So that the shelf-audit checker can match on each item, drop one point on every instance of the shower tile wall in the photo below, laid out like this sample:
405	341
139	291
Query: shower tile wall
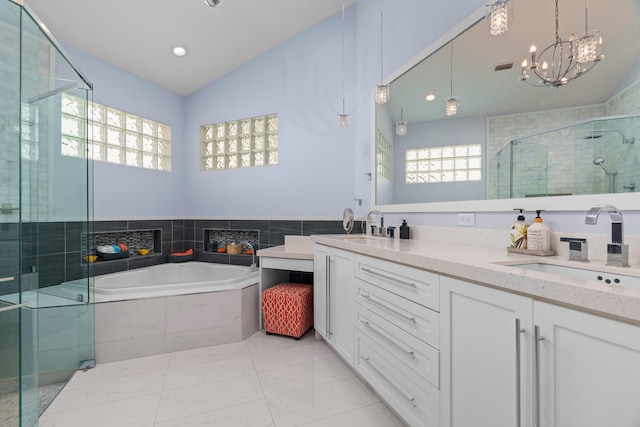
562	156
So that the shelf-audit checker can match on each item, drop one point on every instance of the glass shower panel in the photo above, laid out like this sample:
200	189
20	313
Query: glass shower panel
523	170
46	319
56	208
606	155
529	168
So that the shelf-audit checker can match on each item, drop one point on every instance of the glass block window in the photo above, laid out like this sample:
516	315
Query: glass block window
383	155
242	143
454	163
114	136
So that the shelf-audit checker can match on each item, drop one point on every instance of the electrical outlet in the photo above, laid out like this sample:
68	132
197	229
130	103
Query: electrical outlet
467	219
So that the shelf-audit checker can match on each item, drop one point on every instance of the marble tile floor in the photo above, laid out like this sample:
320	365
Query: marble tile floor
10	400
266	380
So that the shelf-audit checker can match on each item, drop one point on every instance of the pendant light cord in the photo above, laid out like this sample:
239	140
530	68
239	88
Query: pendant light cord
343	59
381	51
451	69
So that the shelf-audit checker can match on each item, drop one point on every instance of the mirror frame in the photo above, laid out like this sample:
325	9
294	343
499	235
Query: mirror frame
623	201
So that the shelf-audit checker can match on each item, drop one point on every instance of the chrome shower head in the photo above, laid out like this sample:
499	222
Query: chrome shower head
595	134
599	161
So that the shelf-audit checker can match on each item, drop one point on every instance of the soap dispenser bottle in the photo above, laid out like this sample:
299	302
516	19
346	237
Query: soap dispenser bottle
538	235
518	232
404	230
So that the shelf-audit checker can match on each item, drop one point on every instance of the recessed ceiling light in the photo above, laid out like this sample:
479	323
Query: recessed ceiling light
179	50
430	97
212	3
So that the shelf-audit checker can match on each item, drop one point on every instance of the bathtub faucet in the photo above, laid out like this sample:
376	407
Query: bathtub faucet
253	256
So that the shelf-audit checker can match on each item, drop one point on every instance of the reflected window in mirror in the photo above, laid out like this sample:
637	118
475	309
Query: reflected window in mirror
455	163
383	155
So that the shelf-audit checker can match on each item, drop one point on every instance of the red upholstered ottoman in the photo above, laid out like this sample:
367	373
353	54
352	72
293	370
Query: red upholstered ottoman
288	309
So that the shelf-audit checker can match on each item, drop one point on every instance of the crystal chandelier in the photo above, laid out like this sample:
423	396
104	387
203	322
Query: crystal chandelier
451	103
497	17
563	61
382	90
401	126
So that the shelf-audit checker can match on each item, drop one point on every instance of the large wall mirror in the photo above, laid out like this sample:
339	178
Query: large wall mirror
512	144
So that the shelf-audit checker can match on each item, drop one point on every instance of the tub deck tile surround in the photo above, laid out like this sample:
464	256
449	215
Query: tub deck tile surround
143	327
249	383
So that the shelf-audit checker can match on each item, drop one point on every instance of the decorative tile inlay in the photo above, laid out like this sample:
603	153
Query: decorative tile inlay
225	237
134	240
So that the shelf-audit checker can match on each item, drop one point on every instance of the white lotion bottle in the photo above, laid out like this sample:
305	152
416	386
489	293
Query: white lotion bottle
538	235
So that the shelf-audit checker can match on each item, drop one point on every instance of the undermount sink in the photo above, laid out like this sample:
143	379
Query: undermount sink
581	273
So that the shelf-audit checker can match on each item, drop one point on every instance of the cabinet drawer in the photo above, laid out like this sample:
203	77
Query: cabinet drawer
413	318
411	283
423	359
412	397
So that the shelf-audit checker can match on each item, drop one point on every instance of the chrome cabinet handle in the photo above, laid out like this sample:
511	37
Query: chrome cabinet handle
519	331
13	307
411	400
392	279
536	379
410	352
5	279
328	294
389	309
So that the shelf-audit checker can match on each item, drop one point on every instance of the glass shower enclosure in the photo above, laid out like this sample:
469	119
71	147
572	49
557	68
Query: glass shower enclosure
46	315
594	156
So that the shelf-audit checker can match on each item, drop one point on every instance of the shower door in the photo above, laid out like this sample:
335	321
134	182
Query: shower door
46	319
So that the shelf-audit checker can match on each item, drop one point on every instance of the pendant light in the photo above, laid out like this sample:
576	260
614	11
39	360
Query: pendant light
451	104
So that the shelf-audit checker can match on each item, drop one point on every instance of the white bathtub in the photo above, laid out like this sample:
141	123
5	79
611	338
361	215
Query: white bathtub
173	307
172	279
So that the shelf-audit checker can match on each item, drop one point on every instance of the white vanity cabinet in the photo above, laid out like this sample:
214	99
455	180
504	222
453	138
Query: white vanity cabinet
485	359
584	370
333	298
397	336
589	369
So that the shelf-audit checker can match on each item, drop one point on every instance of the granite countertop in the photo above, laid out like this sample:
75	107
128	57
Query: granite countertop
488	266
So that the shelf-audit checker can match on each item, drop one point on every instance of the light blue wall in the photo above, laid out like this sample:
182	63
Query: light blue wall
301	81
128	192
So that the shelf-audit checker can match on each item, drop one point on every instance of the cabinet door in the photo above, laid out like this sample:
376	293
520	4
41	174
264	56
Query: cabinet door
485	356
342	306
589	369
321	276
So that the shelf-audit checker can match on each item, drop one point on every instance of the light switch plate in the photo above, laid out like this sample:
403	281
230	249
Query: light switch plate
467	219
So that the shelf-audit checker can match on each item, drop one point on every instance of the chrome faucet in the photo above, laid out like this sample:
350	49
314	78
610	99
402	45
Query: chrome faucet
375	230
617	251
253	256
